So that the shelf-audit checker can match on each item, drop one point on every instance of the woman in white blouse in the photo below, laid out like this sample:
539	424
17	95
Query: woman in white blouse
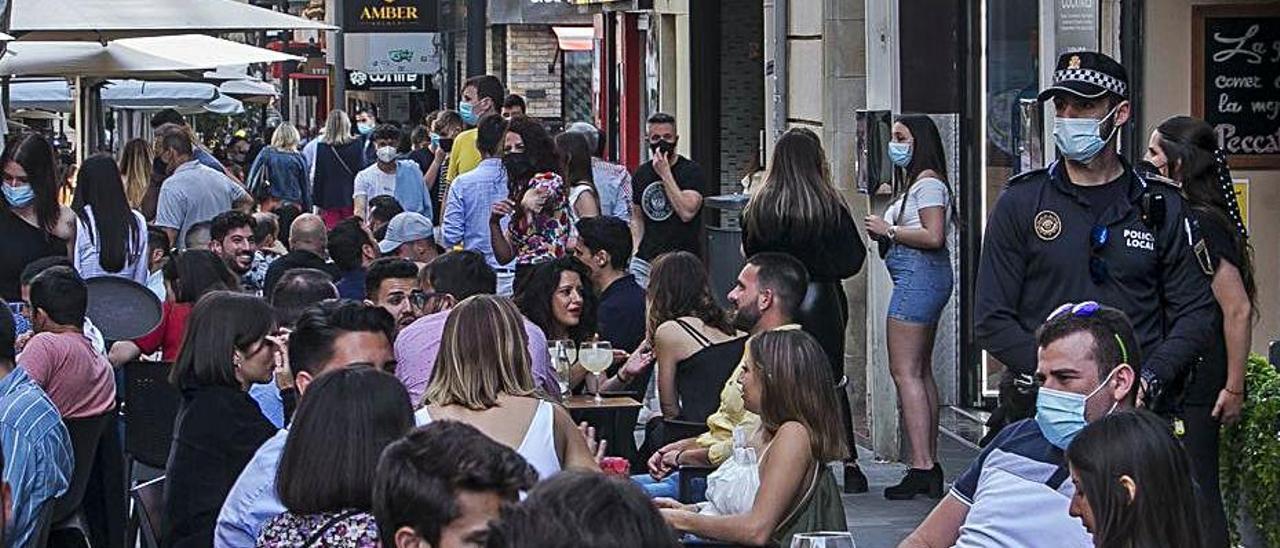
111	238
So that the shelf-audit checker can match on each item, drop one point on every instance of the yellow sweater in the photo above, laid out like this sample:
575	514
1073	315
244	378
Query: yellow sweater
719	437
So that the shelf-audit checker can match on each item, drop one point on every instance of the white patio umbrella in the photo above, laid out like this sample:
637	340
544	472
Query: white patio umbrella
132	56
55	95
105	20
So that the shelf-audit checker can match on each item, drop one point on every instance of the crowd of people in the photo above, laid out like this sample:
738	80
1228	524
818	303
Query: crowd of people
370	343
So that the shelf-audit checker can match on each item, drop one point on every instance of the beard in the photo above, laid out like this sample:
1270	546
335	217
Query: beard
745	318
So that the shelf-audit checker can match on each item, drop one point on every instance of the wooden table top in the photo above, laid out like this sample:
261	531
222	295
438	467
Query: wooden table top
587	401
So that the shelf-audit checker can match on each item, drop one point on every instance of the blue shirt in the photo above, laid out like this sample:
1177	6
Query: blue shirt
267	395
466	212
38	460
351	284
1018	492
253	499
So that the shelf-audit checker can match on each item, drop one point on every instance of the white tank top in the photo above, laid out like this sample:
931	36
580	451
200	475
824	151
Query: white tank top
539	444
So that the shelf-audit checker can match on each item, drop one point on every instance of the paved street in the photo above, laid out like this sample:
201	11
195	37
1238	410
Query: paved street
879	523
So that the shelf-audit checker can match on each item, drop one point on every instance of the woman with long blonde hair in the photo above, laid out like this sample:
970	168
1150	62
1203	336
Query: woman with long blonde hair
798	211
135	170
338	159
483	377
285	177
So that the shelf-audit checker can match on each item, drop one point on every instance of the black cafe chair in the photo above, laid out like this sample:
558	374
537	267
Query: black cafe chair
86	434
150	407
145	519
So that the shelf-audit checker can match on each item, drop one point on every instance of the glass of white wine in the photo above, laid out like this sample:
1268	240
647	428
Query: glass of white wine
828	539
595	357
564	353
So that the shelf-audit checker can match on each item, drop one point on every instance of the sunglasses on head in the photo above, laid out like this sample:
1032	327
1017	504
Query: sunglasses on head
1086	309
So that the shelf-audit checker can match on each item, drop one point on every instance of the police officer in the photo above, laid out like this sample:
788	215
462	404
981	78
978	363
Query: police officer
1089	227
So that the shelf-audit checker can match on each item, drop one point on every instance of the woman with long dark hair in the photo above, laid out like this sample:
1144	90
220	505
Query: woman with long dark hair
693	339
1186	149
559	299
111	238
575	156
325	478
537	202
32	222
915	227
1133	486
799	212
229	347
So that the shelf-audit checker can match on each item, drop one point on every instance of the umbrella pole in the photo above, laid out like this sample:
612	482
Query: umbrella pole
82	132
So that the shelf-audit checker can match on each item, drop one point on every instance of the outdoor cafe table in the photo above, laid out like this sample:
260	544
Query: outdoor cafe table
614	420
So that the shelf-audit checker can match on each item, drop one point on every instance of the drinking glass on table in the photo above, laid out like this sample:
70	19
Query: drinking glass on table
564	353
827	539
596	356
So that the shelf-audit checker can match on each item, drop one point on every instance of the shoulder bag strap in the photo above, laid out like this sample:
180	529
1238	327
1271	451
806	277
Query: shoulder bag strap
315	537
340	160
808	494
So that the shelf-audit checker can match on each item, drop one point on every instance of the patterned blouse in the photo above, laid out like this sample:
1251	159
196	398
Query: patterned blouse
544	235
350	529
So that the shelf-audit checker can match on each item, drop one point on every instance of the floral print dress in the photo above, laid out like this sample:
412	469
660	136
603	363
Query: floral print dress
350	529
544	235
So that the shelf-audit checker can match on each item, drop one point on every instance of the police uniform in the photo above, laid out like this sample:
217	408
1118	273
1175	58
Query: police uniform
1046	244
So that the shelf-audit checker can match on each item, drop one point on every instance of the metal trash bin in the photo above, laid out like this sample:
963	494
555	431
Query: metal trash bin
724	244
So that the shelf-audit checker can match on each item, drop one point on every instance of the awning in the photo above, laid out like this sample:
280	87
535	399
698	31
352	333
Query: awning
55	95
575	38
248	88
132	56
103	20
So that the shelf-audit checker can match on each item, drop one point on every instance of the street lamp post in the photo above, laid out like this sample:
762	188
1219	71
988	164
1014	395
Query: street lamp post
339	57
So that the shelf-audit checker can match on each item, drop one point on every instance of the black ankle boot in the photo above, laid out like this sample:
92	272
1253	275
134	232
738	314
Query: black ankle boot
854	480
917	482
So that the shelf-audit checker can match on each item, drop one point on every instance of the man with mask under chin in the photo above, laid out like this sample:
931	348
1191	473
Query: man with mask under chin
391	175
1089	226
1018	490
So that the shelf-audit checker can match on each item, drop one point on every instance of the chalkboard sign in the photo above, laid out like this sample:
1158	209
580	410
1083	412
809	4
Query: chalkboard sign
1236	79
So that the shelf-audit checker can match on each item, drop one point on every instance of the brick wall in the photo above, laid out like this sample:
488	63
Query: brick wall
741	91
530	50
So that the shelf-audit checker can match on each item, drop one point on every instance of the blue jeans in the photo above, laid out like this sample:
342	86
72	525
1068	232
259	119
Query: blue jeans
669	487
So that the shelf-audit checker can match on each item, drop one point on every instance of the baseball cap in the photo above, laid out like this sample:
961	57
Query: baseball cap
1087	74
406	227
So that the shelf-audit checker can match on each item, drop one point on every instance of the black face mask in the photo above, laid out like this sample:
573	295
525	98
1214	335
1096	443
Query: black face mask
446	145
518	165
665	147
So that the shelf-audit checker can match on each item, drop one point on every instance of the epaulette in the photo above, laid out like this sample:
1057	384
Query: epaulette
1027	176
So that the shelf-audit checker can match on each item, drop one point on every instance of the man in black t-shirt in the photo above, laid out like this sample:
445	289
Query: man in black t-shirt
667	191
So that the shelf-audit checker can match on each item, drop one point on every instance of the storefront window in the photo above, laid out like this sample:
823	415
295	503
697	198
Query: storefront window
1011	40
576	105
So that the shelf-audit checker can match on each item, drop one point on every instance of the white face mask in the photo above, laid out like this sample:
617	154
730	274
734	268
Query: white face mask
387	154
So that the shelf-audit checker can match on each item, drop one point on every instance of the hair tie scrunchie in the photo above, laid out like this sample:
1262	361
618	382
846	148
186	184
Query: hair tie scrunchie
1229	192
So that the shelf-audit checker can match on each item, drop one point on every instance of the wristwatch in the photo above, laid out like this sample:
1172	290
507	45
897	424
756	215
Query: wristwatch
893	233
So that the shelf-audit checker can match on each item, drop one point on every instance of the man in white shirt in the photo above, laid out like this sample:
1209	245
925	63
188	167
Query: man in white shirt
380	178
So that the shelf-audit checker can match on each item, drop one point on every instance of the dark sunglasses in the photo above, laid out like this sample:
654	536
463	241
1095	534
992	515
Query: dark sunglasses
1098	238
1086	309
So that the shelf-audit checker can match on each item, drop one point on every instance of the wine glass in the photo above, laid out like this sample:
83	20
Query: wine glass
823	539
595	357
564	353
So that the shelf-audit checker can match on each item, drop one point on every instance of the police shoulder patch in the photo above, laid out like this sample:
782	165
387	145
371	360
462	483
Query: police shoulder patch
1204	257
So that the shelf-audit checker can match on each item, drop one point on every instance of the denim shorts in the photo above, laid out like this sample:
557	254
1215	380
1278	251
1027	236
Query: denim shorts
922	281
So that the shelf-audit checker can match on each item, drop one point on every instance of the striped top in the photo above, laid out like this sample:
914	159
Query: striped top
38	461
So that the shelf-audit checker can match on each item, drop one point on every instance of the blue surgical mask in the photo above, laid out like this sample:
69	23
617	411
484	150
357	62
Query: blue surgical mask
900	154
364	129
1061	414
468	113
18	196
1079	139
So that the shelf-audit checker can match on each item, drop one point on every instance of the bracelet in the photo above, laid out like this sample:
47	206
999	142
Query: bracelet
678	455
1233	392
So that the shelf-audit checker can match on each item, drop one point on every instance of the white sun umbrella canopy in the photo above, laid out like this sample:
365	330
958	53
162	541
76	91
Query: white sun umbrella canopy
132	56
104	20
55	95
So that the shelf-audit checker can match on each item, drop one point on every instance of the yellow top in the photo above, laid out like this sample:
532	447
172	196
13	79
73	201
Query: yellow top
464	156
732	413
